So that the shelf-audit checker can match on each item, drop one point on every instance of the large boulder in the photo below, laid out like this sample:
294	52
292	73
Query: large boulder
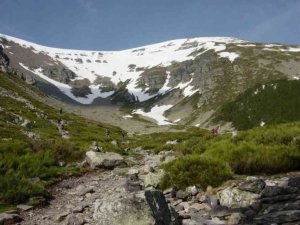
160	209
106	160
129	209
233	197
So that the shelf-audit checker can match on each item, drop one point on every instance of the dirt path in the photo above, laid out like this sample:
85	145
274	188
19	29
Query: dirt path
74	198
75	195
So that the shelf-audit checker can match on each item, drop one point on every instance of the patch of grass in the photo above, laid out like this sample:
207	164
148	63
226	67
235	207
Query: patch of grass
27	165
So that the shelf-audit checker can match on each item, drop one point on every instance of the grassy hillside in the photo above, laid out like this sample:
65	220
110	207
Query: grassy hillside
274	102
206	159
31	148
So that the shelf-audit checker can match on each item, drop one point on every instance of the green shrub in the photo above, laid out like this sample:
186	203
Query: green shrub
248	157
195	170
275	102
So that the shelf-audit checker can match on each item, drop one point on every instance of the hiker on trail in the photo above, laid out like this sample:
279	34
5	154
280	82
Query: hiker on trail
123	134
60	111
107	132
215	131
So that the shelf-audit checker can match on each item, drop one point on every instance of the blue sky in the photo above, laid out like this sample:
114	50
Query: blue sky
121	24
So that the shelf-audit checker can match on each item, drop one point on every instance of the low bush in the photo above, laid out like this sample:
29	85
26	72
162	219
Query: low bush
195	170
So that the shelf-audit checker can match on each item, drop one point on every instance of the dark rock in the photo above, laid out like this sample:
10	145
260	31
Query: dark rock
294	182
255	186
159	208
132	186
293	205
279	217
273	191
279	198
6	218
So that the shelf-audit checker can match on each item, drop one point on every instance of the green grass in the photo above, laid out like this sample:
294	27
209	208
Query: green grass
265	150
23	158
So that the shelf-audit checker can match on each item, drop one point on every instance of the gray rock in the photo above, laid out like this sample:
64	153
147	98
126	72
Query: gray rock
235	198
132	171
212	201
29	80
73	219
126	210
86	190
255	186
24	207
28	124
153	179
61	216
160	209
235	218
182	195
107	160
193	190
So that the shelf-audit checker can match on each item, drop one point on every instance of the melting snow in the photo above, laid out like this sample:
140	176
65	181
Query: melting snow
176	121
66	89
114	64
230	55
127	116
156	113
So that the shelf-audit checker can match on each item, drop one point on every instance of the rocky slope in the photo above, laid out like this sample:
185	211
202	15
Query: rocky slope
127	196
176	82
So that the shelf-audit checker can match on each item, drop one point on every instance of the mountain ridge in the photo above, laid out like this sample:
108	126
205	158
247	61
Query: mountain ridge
151	77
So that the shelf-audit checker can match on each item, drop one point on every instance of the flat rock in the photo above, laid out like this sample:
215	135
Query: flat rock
22	207
107	160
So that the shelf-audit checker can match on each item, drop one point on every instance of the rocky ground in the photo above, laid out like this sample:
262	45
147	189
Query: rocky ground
124	194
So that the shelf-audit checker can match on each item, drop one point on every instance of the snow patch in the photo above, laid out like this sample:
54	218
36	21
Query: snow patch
127	116
176	121
156	113
188	91
230	55
262	123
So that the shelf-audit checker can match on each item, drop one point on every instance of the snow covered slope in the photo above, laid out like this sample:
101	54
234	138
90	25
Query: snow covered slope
189	67
116	64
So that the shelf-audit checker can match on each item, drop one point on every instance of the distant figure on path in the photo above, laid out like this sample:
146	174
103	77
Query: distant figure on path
123	134
60	111
107	132
215	131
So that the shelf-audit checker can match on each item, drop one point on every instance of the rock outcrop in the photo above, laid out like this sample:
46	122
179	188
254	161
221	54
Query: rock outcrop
107	160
